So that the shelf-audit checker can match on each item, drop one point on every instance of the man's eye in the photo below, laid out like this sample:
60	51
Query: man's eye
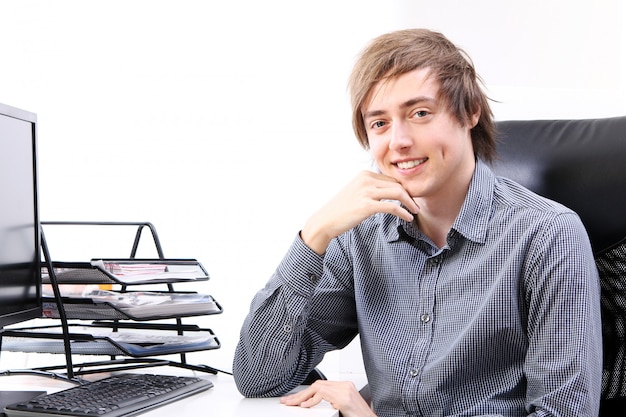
378	124
421	113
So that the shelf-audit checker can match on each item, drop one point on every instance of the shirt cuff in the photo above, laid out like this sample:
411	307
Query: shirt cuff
301	268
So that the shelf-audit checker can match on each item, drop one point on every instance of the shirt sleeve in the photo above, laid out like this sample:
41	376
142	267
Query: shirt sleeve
564	361
290	326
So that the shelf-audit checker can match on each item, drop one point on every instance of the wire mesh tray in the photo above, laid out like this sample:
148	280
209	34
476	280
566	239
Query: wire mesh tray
126	271
111	340
132	305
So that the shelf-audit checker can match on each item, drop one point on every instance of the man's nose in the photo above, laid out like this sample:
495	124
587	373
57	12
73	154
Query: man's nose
400	136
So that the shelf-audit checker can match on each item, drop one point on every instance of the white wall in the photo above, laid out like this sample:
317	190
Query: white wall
226	123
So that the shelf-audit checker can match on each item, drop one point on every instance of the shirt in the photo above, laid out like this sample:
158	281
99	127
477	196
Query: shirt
504	320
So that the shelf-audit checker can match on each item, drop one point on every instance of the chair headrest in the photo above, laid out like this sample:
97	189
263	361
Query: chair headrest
579	163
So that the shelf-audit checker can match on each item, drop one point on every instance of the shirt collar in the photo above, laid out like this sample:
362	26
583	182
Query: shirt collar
473	218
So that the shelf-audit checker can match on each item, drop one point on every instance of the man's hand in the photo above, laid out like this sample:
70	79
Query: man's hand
342	396
364	196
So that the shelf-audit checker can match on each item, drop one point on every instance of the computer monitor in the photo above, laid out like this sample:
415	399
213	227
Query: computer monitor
20	251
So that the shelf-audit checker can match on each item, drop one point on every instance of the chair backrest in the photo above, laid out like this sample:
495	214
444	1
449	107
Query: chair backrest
582	164
579	163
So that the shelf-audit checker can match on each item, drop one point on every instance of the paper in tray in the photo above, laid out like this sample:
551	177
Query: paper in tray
104	341
133	305
150	271
127	271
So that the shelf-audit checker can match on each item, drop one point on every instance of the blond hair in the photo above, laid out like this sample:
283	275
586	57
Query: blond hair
399	52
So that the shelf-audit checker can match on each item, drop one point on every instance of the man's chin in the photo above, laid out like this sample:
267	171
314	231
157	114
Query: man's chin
414	192
413	189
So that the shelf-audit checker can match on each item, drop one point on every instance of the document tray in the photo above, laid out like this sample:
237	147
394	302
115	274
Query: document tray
127	271
136	342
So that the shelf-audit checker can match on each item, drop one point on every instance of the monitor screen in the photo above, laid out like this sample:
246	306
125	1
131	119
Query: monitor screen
20	271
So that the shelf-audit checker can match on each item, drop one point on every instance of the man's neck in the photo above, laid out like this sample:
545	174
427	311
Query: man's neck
438	213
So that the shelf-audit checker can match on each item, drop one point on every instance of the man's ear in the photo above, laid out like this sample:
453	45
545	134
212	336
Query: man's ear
474	118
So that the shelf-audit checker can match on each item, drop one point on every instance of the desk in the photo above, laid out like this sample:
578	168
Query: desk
223	400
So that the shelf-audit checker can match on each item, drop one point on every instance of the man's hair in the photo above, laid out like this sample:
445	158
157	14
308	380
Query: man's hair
399	52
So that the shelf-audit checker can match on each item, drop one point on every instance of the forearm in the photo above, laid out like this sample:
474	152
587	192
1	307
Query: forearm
270	352
273	355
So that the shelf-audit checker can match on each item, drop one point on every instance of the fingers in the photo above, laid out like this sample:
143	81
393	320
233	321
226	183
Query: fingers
342	395
396	210
368	193
384	187
314	400
384	196
307	395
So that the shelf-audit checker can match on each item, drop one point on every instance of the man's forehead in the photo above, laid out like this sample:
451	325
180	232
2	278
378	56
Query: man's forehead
417	85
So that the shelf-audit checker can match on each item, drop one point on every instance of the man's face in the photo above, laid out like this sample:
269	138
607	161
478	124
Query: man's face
414	138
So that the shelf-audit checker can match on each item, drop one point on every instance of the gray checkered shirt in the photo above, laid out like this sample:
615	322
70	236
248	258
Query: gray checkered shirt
502	321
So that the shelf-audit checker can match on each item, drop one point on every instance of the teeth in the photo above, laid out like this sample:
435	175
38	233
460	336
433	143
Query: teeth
410	164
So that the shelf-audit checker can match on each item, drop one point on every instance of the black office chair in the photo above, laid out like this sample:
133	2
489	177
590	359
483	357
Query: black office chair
313	376
582	164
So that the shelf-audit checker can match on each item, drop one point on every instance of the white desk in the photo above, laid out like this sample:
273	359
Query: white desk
223	400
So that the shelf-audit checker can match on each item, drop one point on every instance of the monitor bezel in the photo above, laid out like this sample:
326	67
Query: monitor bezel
24	314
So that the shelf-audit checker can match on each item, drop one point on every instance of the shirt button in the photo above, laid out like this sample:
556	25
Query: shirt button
314	278
287	328
425	318
413	372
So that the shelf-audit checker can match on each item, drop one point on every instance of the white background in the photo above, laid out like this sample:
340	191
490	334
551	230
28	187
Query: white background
227	123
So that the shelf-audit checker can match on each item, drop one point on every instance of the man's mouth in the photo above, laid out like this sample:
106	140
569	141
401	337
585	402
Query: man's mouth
410	164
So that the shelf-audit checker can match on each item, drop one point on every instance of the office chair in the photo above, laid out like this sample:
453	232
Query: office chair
582	164
313	376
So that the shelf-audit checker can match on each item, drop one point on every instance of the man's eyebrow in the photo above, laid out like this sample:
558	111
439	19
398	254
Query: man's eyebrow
418	100
409	103
373	113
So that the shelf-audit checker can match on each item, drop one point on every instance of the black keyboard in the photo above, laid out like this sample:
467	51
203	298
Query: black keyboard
125	394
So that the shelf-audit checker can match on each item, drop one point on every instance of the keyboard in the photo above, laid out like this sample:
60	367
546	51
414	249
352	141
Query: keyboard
125	394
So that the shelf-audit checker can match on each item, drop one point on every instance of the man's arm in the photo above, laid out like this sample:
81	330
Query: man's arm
289	327
564	361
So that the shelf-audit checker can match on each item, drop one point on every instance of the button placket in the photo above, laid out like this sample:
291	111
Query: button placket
433	265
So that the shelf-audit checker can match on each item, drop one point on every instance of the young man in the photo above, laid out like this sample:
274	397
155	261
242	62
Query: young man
472	296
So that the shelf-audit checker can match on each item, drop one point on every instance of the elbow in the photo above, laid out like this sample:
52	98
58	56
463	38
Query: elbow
246	384
244	380
254	382
250	382
250	385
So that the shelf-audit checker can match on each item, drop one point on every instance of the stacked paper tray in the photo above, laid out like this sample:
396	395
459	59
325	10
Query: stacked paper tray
132	305
127	271
96	340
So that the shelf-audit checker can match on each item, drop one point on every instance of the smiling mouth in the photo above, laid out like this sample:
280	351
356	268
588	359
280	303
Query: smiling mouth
411	164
